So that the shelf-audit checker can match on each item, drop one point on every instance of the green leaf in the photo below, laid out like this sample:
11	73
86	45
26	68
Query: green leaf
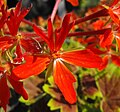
90	108
64	107
71	44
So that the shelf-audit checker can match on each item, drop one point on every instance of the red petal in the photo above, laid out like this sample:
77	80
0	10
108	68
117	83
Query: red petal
114	16
30	45
50	34
18	86
106	40
6	42
18	7
16	17
66	26
104	63
64	80
83	58
4	91
23	13
33	66
98	25
116	60
41	33
74	2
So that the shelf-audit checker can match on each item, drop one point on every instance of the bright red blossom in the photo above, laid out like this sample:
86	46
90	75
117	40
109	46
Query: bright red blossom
62	76
16	16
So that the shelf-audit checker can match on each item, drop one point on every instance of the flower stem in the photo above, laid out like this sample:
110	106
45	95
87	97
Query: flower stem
27	22
102	12
55	10
97	32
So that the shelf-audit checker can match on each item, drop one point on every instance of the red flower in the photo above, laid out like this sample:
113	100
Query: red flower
62	76
16	16
19	40
4	89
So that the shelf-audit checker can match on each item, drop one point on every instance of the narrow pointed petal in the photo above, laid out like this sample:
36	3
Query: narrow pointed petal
65	28
23	13
50	34
114	16
83	58
74	2
33	66
18	86
4	91
18	7
64	79
41	33
16	16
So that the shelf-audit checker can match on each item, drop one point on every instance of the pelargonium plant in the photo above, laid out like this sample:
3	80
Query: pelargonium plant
24	54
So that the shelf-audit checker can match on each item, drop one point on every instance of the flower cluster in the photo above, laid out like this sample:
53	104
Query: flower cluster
25	54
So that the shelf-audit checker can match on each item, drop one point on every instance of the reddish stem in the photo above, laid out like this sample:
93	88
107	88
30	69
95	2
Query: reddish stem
97	32
27	22
55	10
103	12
